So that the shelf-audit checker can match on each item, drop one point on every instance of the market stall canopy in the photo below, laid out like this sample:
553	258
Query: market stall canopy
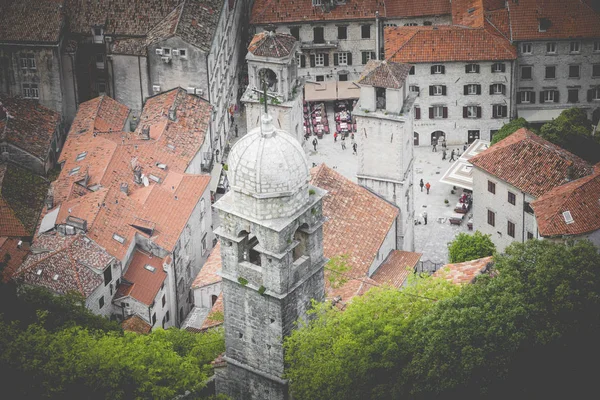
320	91
347	90
540	115
461	172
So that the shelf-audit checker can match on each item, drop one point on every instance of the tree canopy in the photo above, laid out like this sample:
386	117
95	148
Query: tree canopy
467	247
509	128
528	329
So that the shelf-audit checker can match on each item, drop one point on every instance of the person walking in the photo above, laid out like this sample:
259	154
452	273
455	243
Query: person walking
335	136
434	145
421	184
443	154
444	144
236	130
343	143
425	217
314	142
354	146
427	186
452	156
465	147
232	119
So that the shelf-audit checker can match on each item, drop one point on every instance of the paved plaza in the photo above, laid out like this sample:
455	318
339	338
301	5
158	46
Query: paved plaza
431	239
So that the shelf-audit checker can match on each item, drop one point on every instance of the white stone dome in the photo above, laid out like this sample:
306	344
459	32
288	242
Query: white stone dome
268	172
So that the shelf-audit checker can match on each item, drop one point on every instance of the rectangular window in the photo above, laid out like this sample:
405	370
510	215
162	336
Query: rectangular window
116	237
512	198
596	70
28	61
319	60
526	48
318	36
510	229
439	112
491	187
413	88
164	300
295	32
499	111
74	171
342	32
436	90
473	135
597	46
574	47
497	88
491	218
368	55
526	72
167	316
574	71
498	67
153	319
342	58
417	113
527	208
473	112
343	77
524	97
320	78
365	31
573	96
551	47
472	68
472	89
550	72
529	235
438	69
412	70
101	302
595	94
166	51
107	275
31	91
183	53
549	96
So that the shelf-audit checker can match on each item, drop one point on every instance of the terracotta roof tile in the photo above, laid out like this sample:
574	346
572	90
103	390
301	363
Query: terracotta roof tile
198	22
137	325
32	21
499	20
284	11
531	163
567	18
446	43
16	255
146	283
464	272
581	198
385	74
30	126
269	44
208	273
396	268
10	225
468	13
75	261
214	317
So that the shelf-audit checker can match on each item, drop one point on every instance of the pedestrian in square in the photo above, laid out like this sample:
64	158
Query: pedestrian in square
236	130
427	186
354	147
444	154
465	147
434	145
425	217
232	119
452	156
343	143
335	135
314	142
421	184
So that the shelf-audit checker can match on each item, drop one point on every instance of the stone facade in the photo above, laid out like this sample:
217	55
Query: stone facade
455	89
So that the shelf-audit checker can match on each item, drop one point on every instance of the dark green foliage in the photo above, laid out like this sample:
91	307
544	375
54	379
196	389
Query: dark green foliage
529	330
572	131
467	247
510	128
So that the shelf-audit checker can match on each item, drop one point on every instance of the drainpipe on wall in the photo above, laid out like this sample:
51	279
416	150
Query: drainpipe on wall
377	46
141	87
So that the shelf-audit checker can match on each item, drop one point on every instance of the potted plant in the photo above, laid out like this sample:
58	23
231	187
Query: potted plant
446	202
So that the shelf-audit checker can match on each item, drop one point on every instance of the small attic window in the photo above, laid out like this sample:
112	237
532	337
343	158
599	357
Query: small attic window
470	10
118	238
81	156
544	24
161	165
568	218
149	268
38	272
171	147
55	277
74	171
154	178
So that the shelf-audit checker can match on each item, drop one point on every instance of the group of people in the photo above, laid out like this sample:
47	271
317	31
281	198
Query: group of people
454	154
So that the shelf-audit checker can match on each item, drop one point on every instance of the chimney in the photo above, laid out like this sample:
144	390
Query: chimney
133	123
146	132
125	188
137	175
173	113
49	201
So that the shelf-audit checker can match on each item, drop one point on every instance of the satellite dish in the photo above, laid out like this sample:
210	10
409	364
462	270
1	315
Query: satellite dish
145	181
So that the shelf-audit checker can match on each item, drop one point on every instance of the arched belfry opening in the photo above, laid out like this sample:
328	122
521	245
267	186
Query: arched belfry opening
248	252
301	238
270	77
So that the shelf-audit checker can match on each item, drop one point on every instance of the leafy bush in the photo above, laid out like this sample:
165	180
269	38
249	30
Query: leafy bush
467	247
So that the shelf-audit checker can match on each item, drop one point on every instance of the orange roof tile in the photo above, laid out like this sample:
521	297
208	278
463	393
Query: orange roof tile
137	325
567	19
396	268
214	317
358	222
16	255
530	163
385	74
499	20
31	21
146	283
208	273
269	44
10	225
464	272
581	198
468	13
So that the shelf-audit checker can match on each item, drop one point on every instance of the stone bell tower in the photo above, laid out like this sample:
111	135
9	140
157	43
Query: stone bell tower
272	58
272	259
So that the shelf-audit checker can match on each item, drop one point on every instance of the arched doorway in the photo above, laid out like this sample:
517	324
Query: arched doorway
416	136
436	136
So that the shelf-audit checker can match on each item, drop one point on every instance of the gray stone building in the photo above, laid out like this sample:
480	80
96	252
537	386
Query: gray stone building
272	259
338	37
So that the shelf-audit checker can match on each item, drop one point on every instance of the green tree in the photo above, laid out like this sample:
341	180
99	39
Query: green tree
336	269
572	131
467	247
510	128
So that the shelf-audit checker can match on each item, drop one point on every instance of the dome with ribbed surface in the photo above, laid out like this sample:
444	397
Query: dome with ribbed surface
268	172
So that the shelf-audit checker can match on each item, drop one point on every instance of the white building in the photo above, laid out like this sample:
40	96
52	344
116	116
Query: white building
338	37
512	174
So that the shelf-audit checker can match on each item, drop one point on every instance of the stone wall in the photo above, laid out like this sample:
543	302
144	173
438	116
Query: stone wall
132	86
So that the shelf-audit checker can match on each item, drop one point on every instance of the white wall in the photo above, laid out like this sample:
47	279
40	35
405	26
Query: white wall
203	295
389	244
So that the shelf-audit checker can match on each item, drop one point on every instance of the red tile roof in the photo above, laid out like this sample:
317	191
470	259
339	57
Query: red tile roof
137	325
75	261
30	126
468	13
208	273
396	268
358	222
499	19
12	255
446	43
386	74
568	19
269	44
285	11
464	272
530	163
10	225
580	197
215	316
31	21
146	284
